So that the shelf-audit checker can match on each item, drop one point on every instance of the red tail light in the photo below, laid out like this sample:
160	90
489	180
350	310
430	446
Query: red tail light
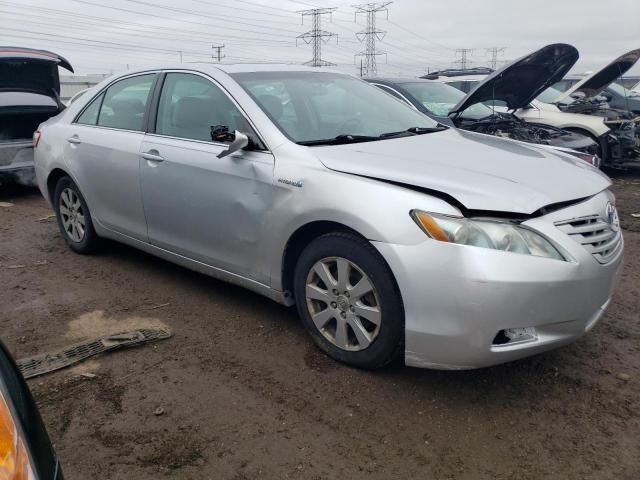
36	138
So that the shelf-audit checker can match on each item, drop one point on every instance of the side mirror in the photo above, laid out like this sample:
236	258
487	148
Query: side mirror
239	141
29	454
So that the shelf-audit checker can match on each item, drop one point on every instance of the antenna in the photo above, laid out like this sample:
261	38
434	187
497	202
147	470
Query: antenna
316	36
369	35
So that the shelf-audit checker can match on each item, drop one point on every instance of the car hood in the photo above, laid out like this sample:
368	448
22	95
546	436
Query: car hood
480	172
598	81
524	79
29	70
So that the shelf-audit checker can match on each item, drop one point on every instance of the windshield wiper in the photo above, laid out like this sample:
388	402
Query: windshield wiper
414	131
340	140
348	138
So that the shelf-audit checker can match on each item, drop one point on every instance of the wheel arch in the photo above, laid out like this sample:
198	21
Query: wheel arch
52	180
299	240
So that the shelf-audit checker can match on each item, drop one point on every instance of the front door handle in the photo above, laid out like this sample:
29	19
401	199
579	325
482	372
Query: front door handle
152	156
75	140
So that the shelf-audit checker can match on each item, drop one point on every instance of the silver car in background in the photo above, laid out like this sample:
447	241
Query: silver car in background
390	233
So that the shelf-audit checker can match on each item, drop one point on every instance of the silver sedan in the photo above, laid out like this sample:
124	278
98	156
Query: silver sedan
391	234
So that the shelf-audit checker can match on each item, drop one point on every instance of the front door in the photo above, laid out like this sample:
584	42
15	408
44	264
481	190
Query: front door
209	209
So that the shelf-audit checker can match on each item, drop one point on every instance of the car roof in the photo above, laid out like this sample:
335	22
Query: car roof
460	78
394	80
233	68
459	72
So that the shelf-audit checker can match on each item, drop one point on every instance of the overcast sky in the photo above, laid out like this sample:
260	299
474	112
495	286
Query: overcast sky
100	36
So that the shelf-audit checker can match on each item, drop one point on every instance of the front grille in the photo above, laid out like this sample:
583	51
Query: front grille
594	233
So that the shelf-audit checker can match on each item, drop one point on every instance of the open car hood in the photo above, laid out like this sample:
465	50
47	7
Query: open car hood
598	81
29	70
481	172
519	82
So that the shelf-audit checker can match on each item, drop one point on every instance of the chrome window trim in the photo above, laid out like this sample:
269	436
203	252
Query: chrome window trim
203	142
142	132
229	96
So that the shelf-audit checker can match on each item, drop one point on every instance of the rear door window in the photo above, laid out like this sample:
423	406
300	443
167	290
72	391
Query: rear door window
125	103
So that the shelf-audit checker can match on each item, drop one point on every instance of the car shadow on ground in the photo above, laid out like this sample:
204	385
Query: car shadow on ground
11	190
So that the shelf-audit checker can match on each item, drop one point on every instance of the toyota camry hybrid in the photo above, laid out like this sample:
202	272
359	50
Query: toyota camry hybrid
391	234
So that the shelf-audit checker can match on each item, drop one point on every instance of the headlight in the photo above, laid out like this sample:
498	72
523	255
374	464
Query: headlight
14	460
486	234
590	158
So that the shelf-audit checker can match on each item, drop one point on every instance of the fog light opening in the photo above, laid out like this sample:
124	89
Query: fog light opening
512	336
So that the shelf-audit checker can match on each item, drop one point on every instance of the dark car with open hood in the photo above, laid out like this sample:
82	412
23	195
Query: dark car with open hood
510	88
597	94
29	95
25	449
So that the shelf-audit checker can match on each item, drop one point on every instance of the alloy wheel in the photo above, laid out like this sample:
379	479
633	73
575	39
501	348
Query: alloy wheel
343	303
72	215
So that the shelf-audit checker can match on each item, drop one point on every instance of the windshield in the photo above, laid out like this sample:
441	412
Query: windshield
440	99
549	95
314	106
635	90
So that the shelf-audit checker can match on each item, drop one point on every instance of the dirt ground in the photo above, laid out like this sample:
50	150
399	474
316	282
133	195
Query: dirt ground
246	395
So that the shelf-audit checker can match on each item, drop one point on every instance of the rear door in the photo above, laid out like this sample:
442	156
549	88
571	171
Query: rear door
103	147
213	210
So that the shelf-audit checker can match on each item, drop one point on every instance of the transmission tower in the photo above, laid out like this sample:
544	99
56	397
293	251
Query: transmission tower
368	36
463	61
218	56
316	36
495	52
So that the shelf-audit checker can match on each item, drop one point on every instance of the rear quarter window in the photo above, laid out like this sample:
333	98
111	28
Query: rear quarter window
90	114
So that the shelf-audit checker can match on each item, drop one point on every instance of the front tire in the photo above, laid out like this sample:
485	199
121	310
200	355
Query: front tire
74	218
349	302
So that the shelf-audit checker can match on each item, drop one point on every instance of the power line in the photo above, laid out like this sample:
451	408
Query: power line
316	36
190	22
369	36
252	11
225	17
495	51
463	61
86	20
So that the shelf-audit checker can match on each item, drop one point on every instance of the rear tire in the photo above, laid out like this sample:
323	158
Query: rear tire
348	301
74	218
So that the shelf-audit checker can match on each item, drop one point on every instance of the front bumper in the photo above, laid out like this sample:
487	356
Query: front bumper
457	298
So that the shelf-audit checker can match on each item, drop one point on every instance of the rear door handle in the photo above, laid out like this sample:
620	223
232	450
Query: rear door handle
75	140
152	156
